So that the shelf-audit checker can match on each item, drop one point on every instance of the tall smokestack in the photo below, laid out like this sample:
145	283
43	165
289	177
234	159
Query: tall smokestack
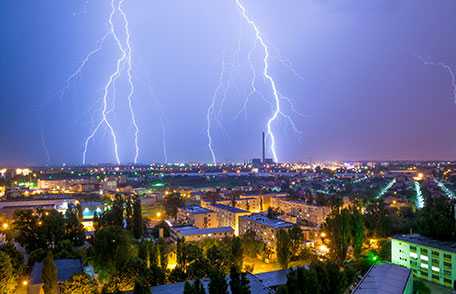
264	150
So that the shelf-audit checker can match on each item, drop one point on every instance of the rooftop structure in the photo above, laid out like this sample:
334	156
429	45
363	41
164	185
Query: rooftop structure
422	240
266	221
256	286
386	278
191	233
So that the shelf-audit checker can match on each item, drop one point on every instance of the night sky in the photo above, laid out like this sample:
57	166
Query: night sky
360	89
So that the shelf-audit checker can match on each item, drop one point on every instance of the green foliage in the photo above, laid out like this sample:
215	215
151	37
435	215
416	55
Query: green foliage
358	232
49	275
436	220
46	229
345	228
217	284
239	284
296	241
237	253
74	230
283	248
17	260
252	245
113	248
137	222
172	203
7	277
79	284
318	278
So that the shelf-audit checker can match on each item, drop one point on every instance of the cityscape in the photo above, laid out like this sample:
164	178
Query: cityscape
234	146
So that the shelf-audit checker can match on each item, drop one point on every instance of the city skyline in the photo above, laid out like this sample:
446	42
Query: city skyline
361	81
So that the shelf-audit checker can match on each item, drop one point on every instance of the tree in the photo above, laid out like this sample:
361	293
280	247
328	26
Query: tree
7	278
138	222
338	226
39	229
283	248
74	230
17	260
49	275
217	283
237	253
358	229
239	284
172	203
436	220
251	244
78	284
113	248
296	240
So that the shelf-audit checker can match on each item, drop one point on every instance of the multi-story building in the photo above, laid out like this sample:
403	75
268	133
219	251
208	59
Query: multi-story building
197	216
251	204
227	216
428	259
191	233
303	211
264	227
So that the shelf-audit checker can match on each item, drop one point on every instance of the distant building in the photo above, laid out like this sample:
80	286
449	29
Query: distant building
264	227
191	233
61	205
428	259
386	278
197	216
251	204
227	216
66	268
303	211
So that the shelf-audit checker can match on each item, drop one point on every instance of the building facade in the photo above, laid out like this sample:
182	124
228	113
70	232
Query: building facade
264	227
227	216
197	216
301	210
428	259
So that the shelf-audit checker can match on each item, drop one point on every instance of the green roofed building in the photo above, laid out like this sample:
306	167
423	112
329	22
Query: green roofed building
430	260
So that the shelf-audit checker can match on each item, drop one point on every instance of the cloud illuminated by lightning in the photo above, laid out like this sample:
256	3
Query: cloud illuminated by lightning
448	69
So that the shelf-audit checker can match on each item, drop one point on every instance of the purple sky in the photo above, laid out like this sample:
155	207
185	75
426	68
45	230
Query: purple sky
361	93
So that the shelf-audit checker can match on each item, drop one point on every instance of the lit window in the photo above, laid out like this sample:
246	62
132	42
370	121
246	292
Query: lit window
436	269
424	265
424	257
413	254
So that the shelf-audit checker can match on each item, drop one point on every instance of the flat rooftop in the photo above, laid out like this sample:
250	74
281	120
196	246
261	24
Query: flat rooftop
384	278
425	241
256	286
196	210
229	208
270	222
190	230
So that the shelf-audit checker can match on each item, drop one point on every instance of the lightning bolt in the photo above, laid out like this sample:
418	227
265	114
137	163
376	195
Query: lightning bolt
124	60
210	112
448	69
267	75
83	64
130	80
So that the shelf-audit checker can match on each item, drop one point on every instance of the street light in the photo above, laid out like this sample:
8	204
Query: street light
5	226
